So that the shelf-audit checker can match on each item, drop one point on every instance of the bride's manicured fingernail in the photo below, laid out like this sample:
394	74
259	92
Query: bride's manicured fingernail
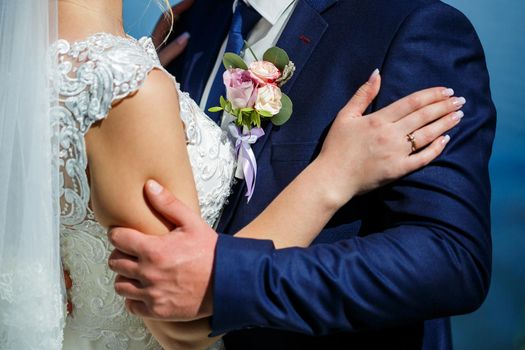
458	115
448	92
459	101
374	76
154	187
445	140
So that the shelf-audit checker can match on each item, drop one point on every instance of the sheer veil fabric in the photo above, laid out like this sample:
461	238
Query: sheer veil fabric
31	284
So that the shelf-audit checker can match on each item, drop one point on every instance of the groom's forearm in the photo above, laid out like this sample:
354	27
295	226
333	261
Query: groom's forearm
426	252
388	279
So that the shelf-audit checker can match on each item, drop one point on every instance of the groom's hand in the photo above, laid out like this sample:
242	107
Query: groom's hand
166	277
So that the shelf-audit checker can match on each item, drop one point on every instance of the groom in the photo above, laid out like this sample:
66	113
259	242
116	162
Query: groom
393	265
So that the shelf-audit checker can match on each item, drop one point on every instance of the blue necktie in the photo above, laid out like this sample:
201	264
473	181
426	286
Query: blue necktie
243	21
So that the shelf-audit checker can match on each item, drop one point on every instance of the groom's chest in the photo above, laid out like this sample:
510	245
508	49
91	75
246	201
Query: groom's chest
331	67
332	62
335	51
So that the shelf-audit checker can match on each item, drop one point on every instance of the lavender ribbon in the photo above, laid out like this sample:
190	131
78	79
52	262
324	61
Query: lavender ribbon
245	156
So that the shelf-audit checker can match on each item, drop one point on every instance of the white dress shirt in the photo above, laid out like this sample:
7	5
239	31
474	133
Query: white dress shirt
275	15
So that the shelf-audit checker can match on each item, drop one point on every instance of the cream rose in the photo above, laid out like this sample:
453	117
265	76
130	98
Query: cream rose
264	72
269	99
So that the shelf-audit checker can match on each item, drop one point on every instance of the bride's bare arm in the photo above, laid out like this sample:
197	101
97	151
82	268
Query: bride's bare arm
144	138
358	155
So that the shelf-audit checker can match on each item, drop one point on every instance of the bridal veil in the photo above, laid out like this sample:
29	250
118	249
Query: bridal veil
31	283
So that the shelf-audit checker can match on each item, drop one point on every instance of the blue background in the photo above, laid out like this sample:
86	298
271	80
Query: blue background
500	323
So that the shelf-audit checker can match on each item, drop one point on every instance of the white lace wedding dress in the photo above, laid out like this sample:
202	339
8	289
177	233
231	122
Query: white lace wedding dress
92	75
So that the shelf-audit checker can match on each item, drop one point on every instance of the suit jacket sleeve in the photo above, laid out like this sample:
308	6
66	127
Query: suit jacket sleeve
425	249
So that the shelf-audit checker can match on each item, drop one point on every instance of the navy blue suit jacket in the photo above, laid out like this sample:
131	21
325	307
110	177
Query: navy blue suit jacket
392	265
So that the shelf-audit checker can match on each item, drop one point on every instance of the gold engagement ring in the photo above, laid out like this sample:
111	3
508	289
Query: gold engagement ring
412	140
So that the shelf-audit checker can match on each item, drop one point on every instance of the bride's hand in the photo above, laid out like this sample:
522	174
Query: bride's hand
362	153
169	51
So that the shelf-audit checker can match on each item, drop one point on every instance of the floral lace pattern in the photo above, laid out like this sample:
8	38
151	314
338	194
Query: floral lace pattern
91	76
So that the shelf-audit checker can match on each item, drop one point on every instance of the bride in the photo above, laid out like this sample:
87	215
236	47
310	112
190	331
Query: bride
117	119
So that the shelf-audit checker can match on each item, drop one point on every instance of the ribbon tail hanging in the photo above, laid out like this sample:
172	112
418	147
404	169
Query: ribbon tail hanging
245	157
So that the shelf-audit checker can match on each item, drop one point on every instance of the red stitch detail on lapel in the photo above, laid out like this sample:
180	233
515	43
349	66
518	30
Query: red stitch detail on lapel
305	39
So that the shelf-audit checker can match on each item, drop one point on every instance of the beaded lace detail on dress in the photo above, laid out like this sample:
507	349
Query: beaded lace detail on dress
92	75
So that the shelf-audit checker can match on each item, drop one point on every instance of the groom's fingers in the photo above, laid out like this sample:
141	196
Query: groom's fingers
167	205
364	96
127	240
123	264
129	288
138	308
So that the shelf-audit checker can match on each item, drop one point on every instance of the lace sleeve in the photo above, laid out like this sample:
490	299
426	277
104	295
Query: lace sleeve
95	73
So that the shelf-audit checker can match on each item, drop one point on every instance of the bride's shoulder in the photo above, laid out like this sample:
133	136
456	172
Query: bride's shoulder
104	69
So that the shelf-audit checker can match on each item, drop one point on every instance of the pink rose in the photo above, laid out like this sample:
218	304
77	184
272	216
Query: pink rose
241	90
264	72
269	99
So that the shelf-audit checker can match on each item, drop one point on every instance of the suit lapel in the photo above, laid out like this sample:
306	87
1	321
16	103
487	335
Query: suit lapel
211	30
321	5
299	39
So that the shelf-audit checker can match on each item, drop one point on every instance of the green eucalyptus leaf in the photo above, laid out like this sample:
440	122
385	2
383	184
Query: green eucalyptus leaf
222	102
215	109
232	60
277	56
285	113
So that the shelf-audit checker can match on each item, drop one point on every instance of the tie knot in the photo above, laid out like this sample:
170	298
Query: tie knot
243	21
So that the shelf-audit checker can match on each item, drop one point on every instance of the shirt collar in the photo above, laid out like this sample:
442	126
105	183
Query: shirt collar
271	10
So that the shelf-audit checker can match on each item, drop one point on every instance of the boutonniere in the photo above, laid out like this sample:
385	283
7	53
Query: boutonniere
254	96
